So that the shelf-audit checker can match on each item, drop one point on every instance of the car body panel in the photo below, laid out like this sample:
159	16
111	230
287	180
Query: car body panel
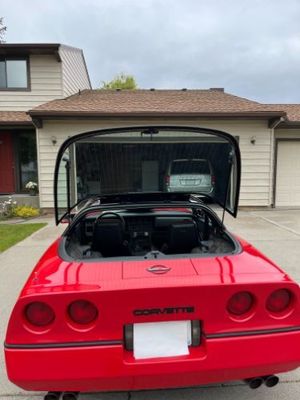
247	347
208	281
107	368
196	287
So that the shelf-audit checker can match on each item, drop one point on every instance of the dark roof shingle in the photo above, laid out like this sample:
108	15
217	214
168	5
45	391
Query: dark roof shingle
292	110
157	102
14	118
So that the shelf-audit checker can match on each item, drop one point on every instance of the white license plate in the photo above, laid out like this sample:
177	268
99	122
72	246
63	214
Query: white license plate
161	339
190	182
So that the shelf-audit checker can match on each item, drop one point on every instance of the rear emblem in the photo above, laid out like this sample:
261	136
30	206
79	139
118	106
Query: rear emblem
159	269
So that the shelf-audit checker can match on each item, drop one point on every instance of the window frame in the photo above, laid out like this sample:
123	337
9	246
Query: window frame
17	156
17	89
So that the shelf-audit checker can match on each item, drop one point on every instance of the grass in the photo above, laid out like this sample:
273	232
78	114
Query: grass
10	234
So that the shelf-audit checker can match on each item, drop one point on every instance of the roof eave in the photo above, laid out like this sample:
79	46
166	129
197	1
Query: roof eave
14	124
82	114
289	125
26	49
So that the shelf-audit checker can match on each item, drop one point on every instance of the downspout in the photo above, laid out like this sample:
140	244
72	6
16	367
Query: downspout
277	122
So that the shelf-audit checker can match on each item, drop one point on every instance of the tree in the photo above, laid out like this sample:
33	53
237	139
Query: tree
2	31
120	81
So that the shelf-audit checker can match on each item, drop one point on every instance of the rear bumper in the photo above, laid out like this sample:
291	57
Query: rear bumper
191	189
112	368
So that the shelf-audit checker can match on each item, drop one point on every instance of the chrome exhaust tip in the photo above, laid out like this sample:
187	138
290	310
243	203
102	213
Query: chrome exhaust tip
271	380
254	383
52	396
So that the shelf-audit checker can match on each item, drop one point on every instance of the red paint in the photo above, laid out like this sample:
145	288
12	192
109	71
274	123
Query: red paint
7	178
117	288
113	368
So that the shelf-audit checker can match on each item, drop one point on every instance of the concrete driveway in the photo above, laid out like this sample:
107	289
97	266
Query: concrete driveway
276	233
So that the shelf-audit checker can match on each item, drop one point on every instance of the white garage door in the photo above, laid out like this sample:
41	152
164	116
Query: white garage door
288	173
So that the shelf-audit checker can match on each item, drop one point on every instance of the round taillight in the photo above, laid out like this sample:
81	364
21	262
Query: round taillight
240	303
82	312
39	314
279	301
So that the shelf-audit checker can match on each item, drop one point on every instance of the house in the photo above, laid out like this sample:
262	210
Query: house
269	135
30	75
60	103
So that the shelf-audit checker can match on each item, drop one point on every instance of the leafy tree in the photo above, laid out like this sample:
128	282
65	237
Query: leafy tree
121	81
2	31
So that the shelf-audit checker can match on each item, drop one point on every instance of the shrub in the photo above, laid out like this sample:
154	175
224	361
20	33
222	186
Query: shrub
7	208
25	211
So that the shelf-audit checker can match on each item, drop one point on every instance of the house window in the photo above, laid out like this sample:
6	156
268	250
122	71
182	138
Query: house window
13	73
27	159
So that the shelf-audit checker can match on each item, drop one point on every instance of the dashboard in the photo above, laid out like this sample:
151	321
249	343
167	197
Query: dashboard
140	222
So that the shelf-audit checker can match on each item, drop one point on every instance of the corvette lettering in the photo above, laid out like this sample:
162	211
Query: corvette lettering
163	311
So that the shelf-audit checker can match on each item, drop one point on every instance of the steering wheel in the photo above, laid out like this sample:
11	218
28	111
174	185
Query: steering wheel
114	214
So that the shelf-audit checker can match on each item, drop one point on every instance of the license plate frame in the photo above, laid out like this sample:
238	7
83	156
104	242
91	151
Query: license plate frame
162	339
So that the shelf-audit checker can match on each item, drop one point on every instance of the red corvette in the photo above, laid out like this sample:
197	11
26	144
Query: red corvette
146	288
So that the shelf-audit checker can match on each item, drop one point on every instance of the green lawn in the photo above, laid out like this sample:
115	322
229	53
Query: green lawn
11	234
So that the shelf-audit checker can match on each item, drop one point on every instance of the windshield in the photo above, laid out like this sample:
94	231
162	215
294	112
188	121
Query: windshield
146	160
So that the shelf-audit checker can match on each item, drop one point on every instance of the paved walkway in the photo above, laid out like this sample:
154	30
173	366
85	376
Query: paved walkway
276	233
15	221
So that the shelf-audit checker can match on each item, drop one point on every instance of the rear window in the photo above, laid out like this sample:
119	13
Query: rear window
190	167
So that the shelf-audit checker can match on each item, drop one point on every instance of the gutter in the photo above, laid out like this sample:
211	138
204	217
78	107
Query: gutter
96	114
16	124
290	125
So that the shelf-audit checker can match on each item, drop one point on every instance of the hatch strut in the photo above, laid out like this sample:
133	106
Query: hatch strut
67	166
227	186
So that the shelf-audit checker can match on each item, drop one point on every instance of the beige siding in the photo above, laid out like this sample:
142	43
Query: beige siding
256	159
287	133
46	85
75	75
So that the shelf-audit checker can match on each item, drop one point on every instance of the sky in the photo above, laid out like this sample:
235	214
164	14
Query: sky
249	47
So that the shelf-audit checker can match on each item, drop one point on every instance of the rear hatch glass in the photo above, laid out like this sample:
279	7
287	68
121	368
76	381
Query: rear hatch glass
190	167
145	159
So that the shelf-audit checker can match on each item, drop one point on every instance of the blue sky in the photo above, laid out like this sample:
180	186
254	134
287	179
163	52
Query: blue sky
251	48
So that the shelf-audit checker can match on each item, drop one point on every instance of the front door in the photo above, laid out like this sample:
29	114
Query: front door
7	178
150	171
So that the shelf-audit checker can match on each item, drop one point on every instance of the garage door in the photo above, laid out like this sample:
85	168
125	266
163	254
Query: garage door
288	173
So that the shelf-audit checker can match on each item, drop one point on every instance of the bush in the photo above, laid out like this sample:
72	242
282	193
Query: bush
7	207
25	211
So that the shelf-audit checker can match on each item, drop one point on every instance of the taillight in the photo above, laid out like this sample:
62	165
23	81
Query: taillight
39	314
279	300
82	312
240	303
167	179
213	180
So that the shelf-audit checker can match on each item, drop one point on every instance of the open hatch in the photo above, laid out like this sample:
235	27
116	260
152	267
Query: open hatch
149	159
146	192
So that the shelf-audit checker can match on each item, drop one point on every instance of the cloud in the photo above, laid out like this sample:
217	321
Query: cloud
249	47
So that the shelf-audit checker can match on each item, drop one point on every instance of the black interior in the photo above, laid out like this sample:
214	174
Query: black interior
142	232
109	238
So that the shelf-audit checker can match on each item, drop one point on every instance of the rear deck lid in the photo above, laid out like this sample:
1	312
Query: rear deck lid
148	159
